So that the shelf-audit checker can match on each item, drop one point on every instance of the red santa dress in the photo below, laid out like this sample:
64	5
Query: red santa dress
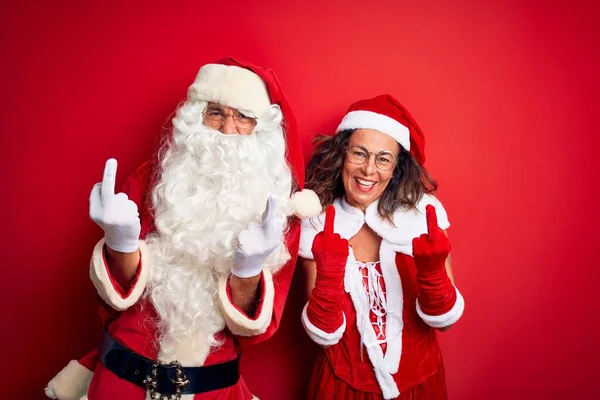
386	346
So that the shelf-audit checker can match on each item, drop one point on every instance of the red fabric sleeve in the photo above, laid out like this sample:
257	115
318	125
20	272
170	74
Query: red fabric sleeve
281	282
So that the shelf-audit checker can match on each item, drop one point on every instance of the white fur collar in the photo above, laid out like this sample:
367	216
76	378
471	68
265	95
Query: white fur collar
408	224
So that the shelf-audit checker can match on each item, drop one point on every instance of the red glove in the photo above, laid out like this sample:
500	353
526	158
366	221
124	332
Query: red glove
326	301
437	294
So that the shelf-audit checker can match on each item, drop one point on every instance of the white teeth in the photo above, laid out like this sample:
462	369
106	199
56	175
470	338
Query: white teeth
365	183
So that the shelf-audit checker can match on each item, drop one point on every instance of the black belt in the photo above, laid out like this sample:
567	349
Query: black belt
166	379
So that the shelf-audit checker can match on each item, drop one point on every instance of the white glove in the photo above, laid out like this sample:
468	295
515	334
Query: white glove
115	213
257	242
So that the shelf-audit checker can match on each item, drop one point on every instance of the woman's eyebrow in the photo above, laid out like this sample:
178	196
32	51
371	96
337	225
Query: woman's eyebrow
365	148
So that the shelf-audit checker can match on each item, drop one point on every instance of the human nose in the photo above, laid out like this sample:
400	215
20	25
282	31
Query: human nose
369	165
228	126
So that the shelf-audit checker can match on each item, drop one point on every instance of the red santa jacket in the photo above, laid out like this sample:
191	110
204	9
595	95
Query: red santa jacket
131	319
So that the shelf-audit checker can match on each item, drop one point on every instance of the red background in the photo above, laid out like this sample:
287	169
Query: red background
506	92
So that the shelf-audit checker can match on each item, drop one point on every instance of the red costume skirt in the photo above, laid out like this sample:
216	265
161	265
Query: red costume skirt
325	385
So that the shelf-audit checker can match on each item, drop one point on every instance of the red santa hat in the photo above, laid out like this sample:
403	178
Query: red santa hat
249	88
246	87
232	86
385	114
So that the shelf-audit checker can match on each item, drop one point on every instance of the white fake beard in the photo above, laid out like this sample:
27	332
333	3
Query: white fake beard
211	186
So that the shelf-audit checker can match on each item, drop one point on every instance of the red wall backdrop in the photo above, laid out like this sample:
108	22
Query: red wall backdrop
506	92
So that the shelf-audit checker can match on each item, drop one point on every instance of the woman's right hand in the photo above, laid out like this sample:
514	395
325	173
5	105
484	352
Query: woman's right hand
325	307
115	213
329	249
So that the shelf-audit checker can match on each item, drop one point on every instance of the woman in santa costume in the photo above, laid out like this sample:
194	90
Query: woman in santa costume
378	261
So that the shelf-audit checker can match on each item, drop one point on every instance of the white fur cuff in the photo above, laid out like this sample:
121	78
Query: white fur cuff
71	383
447	319
101	278
319	336
237	321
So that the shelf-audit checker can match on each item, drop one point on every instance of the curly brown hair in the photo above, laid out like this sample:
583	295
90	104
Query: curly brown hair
409	183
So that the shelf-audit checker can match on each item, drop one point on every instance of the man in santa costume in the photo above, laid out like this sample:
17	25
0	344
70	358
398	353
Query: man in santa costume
198	252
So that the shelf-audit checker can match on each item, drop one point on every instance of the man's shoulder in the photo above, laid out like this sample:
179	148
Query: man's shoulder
139	179
136	187
143	172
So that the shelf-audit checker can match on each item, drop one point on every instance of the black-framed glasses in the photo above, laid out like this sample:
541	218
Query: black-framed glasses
384	160
215	117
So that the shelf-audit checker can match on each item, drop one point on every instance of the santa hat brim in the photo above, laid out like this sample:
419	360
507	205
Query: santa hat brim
231	86
363	119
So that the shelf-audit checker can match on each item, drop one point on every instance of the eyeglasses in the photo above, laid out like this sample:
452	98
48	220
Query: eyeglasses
384	160
215	118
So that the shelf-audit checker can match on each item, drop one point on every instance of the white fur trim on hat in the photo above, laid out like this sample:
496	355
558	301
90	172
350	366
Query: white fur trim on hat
71	383
447	319
382	123
231	86
101	278
237	321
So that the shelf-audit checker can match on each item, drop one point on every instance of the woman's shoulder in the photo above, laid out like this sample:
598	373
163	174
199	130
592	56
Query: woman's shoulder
311	226
406	223
313	223
317	222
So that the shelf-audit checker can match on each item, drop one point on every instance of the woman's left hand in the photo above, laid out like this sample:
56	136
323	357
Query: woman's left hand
439	303
431	249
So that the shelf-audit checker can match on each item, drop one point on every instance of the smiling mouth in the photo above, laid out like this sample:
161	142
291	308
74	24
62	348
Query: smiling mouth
364	185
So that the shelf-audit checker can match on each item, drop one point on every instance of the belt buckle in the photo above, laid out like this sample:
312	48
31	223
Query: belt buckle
179	383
